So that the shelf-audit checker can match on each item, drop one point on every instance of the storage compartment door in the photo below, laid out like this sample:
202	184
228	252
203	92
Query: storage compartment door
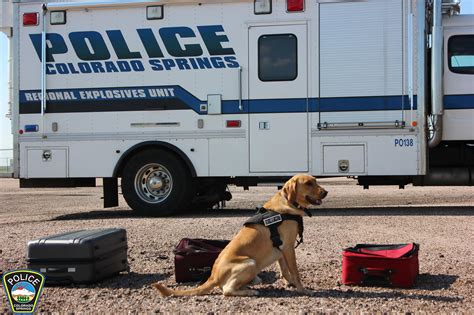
47	163
361	64
344	159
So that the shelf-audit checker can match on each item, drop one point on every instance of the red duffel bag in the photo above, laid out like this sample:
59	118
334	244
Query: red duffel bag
393	265
194	258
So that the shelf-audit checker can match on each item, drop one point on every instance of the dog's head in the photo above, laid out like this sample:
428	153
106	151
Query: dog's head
303	191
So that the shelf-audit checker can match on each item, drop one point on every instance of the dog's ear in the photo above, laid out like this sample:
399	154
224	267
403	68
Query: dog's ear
289	190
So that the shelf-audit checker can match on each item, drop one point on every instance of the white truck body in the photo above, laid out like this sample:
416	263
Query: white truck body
337	89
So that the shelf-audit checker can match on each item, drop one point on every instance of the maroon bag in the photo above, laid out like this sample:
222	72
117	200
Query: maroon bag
393	265
194	258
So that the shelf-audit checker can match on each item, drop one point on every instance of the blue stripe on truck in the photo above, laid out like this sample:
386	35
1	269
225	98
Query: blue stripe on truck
174	97
465	101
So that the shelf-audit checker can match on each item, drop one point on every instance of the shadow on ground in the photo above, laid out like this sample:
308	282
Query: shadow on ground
353	294
424	282
428	281
97	215
211	213
267	290
130	280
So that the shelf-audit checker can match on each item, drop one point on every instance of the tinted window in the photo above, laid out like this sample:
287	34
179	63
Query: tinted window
277	57
461	54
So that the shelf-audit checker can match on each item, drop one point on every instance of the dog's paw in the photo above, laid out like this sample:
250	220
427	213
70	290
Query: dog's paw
287	282
304	291
253	293
256	281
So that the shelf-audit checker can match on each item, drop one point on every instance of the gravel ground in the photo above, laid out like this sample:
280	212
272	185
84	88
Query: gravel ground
439	218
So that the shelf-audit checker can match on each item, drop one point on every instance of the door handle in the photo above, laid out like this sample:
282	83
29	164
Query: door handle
264	125
241	107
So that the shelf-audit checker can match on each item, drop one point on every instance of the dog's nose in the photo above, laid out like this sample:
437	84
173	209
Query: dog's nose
324	193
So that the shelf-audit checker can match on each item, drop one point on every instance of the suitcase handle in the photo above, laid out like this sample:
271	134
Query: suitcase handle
57	270
376	271
376	276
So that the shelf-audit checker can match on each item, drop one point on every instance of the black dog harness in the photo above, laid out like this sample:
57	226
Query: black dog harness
272	220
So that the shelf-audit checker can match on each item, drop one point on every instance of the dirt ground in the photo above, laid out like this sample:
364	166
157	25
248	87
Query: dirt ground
440	219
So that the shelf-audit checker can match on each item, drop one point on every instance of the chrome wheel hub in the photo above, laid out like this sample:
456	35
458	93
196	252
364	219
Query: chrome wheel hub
153	183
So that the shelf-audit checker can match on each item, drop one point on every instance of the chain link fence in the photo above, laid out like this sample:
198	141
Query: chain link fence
6	162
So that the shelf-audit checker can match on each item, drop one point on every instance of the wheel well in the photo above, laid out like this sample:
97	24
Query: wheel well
153	145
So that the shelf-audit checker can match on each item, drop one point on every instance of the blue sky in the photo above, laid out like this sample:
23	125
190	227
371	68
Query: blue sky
5	133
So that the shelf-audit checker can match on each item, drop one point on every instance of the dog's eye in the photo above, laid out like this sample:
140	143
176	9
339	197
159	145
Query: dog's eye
309	183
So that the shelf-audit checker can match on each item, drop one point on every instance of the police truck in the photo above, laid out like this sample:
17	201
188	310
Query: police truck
177	99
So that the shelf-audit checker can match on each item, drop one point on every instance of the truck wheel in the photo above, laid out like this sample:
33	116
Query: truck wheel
156	183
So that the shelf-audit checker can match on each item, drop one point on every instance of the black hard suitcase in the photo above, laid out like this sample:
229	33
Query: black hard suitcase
84	256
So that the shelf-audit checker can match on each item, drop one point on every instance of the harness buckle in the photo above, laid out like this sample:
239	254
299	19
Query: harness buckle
272	220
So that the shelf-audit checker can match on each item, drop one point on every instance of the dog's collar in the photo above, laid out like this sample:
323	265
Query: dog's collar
298	206
306	210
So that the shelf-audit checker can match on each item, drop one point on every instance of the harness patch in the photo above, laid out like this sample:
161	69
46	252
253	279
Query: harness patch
272	220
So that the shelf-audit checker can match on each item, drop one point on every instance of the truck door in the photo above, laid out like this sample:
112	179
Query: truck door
458	83
278	98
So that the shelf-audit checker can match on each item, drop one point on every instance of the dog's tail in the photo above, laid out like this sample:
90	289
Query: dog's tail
200	290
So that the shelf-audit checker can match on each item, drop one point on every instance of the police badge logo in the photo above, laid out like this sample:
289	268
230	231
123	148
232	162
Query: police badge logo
23	289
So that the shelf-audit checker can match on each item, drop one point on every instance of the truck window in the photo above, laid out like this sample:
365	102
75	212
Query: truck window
461	54
277	57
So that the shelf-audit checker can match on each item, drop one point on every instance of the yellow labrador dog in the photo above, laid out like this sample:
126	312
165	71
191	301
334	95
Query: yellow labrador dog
252	249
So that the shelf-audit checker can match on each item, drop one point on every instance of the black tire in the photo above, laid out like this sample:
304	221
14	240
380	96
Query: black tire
156	183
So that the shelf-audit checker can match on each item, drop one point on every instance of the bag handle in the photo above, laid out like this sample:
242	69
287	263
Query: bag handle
376	275
376	271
